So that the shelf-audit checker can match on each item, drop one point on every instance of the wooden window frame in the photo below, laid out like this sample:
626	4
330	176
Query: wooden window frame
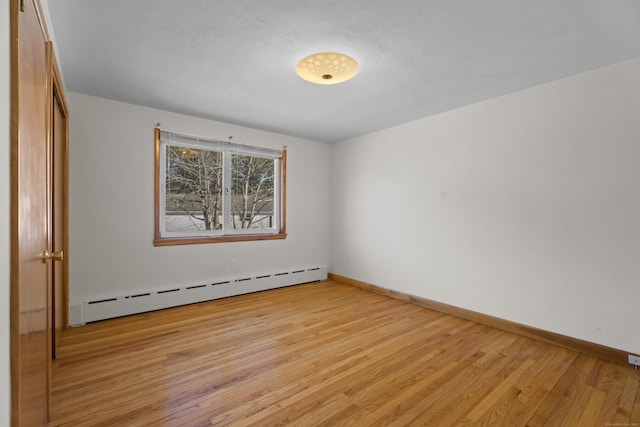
159	240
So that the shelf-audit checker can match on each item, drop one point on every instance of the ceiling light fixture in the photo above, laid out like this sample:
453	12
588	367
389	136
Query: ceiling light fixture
327	68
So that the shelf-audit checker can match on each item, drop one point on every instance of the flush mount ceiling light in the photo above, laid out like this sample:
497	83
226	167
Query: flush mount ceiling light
327	68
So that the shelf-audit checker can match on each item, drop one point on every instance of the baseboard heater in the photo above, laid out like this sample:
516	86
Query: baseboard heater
123	305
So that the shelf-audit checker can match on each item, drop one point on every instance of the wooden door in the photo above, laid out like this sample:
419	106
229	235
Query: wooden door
30	276
59	204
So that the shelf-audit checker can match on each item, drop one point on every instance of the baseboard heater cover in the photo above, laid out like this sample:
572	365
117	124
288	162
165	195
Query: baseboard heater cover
109	307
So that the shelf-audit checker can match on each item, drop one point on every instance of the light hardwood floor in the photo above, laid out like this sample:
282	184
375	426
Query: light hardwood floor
327	354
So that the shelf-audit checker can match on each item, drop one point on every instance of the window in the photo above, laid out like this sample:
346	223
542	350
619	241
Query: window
209	191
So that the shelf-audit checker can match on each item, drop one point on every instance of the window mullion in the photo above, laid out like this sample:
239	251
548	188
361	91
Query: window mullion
226	192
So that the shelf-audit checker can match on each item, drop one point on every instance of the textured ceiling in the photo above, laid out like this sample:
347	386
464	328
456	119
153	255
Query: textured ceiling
234	60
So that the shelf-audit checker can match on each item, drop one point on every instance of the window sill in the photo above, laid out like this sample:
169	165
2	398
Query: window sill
173	241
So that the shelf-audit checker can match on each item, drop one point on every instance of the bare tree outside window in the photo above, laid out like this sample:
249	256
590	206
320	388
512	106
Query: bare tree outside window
194	186
252	190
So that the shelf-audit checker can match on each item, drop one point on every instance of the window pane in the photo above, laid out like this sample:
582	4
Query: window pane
193	189
252	192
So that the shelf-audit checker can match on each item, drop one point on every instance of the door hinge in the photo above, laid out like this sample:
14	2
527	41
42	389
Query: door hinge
21	5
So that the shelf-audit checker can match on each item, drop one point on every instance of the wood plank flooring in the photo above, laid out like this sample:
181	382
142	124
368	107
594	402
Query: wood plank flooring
327	354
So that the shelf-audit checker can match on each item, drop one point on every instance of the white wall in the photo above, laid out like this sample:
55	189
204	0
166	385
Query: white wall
5	367
112	178
525	207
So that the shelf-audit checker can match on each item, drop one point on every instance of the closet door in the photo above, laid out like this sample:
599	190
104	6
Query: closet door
59	206
30	271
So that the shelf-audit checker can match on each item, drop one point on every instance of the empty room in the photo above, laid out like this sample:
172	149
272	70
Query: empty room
346	213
